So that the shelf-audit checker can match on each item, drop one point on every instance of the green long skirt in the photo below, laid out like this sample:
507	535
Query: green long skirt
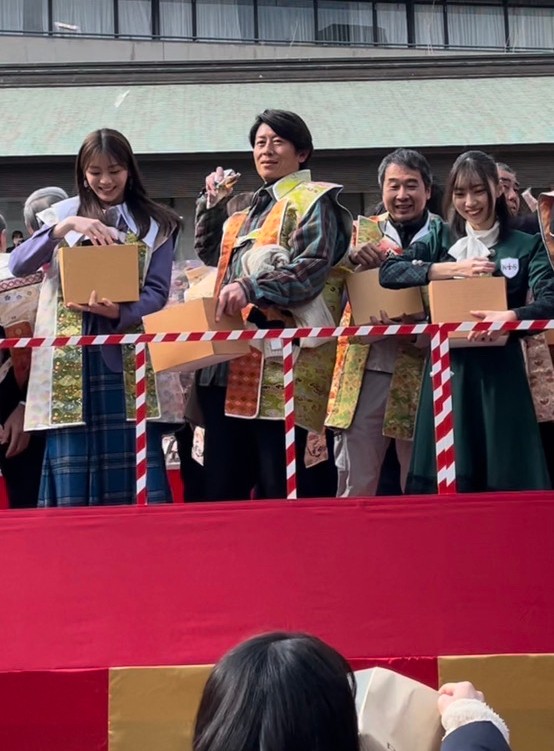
496	434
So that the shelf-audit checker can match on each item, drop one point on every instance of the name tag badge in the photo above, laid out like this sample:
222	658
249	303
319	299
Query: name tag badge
509	267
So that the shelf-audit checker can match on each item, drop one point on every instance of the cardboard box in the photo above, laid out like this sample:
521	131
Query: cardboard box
367	298
110	270
451	300
550	337
196	315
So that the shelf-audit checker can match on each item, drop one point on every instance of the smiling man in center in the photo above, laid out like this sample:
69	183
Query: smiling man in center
278	264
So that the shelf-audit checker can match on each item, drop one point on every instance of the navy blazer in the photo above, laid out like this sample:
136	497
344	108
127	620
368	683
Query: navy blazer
475	736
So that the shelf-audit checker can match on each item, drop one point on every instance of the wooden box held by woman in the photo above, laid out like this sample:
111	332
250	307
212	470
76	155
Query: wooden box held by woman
85	397
496	435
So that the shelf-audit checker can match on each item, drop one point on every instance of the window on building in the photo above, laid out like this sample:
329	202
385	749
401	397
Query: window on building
392	25
429	25
225	19
83	16
531	28
135	18
286	20
344	22
474	25
176	18
30	16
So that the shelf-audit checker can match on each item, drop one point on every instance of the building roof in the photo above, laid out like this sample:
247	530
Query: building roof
200	118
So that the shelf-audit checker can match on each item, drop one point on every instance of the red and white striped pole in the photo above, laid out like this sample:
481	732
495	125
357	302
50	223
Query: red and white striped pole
140	385
290	444
442	412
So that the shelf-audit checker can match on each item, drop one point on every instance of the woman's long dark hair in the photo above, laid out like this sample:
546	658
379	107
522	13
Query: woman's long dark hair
474	167
113	144
279	692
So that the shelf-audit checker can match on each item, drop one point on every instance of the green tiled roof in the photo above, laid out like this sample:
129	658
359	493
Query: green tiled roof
342	115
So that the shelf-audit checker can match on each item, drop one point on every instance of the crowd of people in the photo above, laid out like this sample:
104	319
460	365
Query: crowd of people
283	254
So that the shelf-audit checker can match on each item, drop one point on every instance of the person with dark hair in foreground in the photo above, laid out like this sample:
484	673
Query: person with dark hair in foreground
278	263
293	692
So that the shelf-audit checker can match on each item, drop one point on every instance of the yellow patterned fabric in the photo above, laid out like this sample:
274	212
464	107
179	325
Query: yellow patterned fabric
349	373
401	410
67	371
313	372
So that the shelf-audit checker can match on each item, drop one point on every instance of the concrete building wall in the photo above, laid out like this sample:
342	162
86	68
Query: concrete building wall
24	49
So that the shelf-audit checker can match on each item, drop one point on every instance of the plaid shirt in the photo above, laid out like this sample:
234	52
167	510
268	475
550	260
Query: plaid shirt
317	244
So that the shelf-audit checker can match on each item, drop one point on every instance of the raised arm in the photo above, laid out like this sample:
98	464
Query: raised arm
208	229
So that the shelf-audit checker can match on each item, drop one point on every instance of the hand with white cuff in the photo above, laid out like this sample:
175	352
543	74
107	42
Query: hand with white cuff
461	703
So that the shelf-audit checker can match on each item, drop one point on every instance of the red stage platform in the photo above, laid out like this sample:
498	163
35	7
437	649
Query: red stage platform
397	581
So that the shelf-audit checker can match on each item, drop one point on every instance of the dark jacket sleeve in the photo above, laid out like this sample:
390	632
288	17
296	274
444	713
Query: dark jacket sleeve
541	283
411	268
475	736
528	223
208	229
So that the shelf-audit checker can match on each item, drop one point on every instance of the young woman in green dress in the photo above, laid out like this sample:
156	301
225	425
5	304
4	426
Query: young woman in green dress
496	435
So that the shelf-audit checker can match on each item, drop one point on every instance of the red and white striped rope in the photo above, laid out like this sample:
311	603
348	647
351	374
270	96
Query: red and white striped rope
442	412
140	436
290	444
440	359
256	334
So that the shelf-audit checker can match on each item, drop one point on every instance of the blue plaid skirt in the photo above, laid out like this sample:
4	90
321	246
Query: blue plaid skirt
94	464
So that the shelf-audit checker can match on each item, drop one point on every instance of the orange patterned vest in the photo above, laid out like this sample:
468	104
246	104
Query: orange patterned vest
255	386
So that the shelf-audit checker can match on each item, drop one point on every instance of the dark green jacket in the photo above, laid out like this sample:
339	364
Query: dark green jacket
533	270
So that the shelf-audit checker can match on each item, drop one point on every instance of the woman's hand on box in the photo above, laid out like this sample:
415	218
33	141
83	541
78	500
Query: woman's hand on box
97	232
490	316
232	299
103	307
469	268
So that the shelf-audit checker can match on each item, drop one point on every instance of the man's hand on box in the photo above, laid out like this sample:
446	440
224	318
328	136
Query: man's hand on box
383	320
368	256
232	299
103	307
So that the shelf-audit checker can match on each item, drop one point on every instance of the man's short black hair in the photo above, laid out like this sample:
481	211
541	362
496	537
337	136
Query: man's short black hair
17	233
289	126
409	159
